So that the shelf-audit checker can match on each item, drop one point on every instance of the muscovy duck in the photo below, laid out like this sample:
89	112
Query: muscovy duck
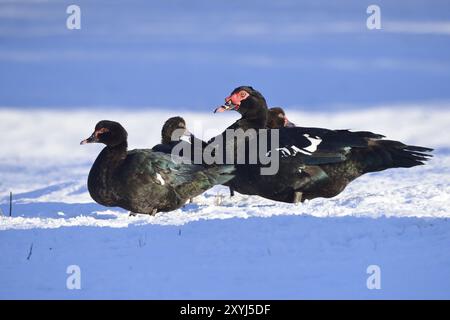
175	132
277	119
141	180
313	162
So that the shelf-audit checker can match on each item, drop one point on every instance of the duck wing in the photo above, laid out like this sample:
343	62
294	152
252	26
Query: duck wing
168	171
315	146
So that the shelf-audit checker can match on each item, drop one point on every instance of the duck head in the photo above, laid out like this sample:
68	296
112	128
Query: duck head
108	132
174	129
277	119
249	102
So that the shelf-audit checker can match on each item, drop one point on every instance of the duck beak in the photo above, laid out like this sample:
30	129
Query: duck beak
227	107
91	139
287	123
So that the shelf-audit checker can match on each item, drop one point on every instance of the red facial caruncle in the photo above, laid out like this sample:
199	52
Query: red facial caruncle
233	102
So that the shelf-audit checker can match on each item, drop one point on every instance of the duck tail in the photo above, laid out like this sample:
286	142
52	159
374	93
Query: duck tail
205	179
220	174
385	154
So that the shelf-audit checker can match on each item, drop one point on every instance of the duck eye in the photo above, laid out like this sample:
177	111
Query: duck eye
242	94
101	131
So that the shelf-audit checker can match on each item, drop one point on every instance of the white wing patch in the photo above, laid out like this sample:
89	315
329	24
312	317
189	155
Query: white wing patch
284	151
309	150
296	150
160	179
314	143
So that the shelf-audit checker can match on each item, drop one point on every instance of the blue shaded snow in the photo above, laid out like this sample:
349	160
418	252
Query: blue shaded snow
288	257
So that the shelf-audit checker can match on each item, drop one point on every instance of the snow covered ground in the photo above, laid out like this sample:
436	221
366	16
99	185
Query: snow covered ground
245	247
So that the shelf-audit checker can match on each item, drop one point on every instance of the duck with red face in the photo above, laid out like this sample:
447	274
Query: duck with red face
313	162
233	101
250	104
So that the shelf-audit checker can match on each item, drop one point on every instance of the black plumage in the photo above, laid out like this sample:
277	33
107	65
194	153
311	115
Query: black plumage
175	133
314	162
142	180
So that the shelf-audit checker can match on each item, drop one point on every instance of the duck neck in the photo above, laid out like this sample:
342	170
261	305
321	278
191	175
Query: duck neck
255	119
260	121
113	155
100	179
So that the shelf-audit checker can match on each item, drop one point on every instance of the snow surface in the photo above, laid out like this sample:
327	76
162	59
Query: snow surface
221	247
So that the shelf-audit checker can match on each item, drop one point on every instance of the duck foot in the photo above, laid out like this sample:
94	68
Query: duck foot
189	201
132	214
231	192
297	197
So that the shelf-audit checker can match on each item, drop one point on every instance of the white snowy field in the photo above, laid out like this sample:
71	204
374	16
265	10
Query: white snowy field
221	247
